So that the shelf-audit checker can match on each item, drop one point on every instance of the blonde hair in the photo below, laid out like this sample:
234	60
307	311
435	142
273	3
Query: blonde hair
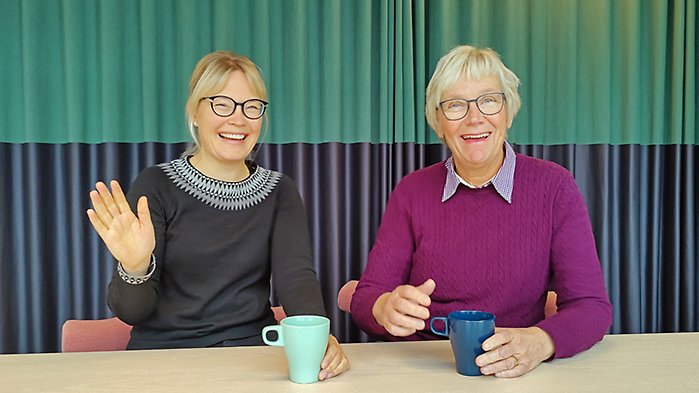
472	63
210	76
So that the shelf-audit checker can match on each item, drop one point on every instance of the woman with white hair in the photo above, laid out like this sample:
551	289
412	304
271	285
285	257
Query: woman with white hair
487	229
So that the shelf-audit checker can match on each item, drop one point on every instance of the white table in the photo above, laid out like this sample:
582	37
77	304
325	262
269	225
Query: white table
620	363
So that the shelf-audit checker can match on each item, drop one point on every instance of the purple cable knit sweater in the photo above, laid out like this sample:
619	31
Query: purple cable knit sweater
486	254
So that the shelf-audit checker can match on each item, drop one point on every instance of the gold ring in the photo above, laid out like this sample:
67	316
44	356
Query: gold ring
516	361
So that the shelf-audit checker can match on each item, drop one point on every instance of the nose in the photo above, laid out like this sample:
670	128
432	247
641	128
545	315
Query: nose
474	114
237	116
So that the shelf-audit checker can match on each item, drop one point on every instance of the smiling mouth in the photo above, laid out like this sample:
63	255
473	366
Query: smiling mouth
476	137
232	136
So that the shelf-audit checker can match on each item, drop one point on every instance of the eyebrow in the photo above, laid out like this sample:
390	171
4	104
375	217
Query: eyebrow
478	94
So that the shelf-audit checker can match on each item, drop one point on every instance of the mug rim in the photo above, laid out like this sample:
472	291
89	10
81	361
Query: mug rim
478	314
319	321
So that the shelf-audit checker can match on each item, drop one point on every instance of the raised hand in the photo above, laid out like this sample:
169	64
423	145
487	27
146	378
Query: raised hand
130	239
512	352
403	311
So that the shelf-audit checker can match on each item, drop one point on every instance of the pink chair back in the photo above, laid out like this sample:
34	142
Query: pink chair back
279	313
109	334
551	307
344	296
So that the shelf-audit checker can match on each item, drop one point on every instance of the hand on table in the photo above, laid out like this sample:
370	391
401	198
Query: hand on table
130	239
403	311
334	362
512	352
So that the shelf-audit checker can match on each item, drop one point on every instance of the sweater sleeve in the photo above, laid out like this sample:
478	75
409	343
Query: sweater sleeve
293	275
134	303
388	266
584	312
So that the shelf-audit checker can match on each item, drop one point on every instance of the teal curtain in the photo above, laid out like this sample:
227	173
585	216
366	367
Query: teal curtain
592	71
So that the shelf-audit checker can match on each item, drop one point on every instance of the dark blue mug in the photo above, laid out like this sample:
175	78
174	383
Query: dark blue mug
466	329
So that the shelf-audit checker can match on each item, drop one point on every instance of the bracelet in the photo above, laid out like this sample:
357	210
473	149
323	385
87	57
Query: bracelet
136	280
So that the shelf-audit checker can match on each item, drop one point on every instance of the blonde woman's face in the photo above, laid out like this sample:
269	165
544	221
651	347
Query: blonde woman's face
228	139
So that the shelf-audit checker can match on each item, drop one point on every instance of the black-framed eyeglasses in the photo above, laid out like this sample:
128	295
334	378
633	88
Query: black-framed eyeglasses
225	106
488	104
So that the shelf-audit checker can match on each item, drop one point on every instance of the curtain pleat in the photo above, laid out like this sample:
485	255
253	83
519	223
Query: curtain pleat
642	201
592	71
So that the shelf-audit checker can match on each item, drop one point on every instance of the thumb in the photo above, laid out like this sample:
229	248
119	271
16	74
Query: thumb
144	212
427	287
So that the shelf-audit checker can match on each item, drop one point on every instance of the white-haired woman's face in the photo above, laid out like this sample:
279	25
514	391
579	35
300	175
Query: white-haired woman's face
476	140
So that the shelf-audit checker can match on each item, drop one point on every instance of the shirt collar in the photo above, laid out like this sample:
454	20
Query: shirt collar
503	181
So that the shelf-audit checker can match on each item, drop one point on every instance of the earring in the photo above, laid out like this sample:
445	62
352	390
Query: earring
196	124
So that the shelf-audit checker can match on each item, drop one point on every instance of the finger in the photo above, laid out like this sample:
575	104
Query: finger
330	351
331	368
411	309
121	223
333	358
99	208
107	198
499	338
412	293
404	325
341	368
515	371
501	366
144	212
495	354
398	330
97	224
119	197
427	287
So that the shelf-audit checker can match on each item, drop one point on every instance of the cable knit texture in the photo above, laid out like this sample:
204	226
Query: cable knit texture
486	254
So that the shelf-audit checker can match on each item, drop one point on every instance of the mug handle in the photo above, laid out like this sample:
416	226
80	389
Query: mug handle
279	342
444	332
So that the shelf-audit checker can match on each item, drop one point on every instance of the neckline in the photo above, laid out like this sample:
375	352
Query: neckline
221	194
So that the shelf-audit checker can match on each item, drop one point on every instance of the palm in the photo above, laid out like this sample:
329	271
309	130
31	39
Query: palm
129	238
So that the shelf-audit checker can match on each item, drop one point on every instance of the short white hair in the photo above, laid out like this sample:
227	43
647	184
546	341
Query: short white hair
469	62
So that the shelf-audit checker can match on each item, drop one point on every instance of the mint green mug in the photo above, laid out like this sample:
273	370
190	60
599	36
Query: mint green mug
304	338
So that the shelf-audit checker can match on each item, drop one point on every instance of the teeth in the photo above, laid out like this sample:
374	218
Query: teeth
477	136
236	137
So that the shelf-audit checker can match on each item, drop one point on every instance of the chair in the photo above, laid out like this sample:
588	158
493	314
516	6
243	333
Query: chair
109	334
344	299
551	307
344	296
279	313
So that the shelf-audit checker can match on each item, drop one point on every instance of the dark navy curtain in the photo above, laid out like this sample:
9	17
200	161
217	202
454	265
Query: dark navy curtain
642	201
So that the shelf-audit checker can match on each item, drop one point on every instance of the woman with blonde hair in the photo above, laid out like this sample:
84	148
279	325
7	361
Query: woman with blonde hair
194	265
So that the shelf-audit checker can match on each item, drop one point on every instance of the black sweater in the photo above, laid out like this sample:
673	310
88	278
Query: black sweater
217	244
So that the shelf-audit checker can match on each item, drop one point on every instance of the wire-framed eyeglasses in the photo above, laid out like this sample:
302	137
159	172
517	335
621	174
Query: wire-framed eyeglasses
488	104
225	106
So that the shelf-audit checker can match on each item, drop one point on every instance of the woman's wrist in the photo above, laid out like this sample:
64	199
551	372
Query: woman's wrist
139	268
136	279
548	347
376	310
